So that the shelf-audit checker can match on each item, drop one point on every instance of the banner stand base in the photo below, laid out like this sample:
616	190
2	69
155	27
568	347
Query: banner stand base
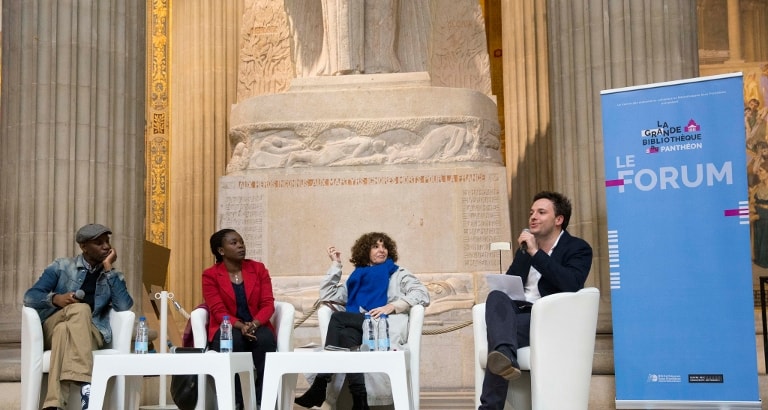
687	404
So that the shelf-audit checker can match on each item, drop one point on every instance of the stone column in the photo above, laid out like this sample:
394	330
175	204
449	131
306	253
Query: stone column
734	32
526	105
597	46
72	132
754	25
203	83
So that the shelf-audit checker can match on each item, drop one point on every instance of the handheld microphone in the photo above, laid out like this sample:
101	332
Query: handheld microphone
524	245
79	294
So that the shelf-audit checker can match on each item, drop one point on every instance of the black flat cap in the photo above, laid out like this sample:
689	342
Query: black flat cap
90	232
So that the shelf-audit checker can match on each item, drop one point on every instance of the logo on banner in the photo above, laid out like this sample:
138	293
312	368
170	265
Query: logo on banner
664	378
672	138
705	378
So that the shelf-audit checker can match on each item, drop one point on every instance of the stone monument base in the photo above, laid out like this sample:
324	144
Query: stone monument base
442	217
383	119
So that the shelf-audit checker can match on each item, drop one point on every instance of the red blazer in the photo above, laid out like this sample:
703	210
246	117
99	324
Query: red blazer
220	296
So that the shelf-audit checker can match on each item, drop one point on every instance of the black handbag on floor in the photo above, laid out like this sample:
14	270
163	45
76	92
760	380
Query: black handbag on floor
184	391
184	386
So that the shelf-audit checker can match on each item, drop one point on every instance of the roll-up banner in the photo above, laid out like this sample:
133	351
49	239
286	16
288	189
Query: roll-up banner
679	249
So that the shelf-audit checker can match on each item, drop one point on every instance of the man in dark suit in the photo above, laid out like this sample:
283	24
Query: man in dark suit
549	261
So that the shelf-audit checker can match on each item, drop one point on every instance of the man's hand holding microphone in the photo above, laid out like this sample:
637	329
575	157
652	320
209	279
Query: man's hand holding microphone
527	242
64	299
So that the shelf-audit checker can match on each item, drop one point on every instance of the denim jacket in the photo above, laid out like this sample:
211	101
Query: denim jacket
66	275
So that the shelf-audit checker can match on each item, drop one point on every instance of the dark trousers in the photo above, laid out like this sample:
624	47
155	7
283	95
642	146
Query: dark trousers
265	342
509	324
345	329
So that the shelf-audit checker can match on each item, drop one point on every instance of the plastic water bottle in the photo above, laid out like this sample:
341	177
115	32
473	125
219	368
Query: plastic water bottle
369	334
141	343
225	336
382	333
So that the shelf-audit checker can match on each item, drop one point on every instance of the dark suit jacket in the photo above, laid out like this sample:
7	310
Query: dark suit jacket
220	296
565	271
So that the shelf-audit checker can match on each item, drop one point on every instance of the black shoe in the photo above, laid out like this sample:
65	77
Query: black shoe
499	364
360	401
315	396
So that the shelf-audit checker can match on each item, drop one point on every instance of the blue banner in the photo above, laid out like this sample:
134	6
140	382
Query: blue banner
679	248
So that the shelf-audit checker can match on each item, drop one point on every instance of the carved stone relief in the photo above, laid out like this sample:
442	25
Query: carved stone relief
265	50
405	141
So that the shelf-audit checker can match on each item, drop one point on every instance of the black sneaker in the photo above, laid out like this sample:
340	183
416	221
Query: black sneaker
85	395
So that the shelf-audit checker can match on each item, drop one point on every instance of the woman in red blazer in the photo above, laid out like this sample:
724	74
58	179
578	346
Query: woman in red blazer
241	289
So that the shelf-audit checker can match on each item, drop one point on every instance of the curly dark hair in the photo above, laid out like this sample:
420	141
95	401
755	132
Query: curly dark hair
361	250
217	240
560	202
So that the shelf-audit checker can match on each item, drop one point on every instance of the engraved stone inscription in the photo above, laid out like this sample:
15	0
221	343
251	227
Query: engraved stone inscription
244	210
481	214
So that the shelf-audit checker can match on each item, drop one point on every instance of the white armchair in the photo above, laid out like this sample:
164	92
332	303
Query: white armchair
35	361
282	320
415	324
559	358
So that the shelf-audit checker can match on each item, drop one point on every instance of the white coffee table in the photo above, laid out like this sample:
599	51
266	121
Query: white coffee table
222	366
283	367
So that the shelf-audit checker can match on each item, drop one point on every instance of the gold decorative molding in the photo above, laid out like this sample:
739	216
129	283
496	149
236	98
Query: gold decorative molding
157	142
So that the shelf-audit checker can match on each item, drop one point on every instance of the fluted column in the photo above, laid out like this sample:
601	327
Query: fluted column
72	128
754	24
203	83
597	46
734	32
526	105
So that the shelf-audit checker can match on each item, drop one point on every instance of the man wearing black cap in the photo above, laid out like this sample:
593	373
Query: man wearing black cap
73	298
